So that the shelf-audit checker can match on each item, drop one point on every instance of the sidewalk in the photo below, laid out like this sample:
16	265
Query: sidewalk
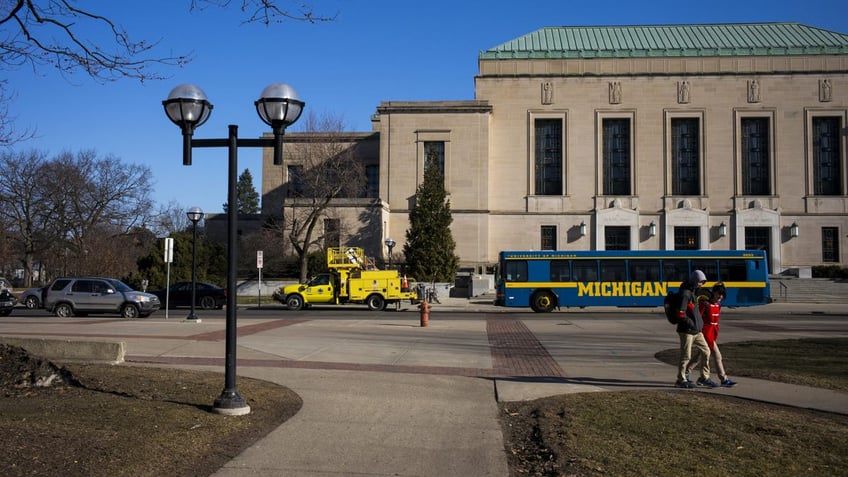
388	397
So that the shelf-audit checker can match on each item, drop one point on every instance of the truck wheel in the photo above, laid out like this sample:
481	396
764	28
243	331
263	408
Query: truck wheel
542	302
375	303
294	302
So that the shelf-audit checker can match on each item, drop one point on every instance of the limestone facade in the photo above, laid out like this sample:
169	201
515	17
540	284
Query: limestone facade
492	158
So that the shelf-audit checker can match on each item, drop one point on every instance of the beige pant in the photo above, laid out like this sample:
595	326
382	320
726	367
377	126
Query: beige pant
687	341
715	354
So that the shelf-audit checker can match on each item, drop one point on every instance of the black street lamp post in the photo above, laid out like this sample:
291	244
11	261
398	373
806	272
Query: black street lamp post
390	244
278	106
195	215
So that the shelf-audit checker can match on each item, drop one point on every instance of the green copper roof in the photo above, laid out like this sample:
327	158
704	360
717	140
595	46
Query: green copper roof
732	39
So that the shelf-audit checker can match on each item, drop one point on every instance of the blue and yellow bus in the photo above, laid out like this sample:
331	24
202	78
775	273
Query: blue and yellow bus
544	280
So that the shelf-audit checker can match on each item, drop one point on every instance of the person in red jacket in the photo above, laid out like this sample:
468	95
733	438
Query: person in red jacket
711	314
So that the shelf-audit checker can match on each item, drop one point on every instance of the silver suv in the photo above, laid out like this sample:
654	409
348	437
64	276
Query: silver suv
83	295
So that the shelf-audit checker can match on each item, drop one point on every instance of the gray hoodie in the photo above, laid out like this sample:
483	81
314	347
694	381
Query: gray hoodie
692	321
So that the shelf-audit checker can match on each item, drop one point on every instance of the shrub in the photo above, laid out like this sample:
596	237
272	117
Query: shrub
830	271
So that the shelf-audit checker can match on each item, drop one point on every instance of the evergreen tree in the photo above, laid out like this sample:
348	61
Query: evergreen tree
246	196
211	262
430	248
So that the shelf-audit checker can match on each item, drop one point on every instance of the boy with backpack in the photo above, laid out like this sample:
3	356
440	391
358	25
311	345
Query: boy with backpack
689	325
711	314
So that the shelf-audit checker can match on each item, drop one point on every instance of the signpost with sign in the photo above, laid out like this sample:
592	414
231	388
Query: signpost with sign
169	257
259	266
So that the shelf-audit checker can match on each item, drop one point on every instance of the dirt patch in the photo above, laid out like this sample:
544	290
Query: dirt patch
107	420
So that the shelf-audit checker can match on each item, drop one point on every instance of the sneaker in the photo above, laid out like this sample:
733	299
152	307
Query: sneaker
684	384
709	383
728	383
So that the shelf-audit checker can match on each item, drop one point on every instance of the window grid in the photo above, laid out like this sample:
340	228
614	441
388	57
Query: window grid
755	156
372	178
434	154
685	156
830	244
827	156
548	159
549	237
687	238
296	181
617	237
616	156
332	233
757	238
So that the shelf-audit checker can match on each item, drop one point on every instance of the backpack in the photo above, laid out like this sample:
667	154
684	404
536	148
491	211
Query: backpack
672	305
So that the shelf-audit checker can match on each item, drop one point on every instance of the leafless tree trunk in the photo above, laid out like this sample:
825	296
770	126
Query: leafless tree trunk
328	169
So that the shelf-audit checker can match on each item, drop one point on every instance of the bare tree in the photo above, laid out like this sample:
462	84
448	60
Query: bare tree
24	206
92	197
170	219
324	167
56	34
9	134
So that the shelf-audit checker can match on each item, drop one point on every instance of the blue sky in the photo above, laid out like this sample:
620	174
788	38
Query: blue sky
376	50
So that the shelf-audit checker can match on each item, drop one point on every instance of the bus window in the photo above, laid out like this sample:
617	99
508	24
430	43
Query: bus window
559	271
732	271
709	267
612	271
516	271
644	270
675	270
585	270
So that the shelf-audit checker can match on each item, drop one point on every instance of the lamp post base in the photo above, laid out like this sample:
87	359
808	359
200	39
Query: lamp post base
193	319
230	403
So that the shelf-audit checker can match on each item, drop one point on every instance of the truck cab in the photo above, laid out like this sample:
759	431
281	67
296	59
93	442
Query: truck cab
319	290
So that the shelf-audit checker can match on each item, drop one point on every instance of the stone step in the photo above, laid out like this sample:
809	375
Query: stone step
812	290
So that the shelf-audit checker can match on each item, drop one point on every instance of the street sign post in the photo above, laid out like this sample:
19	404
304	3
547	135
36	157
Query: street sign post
169	257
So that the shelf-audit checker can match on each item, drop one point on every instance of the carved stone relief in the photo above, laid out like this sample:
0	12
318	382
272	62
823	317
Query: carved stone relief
825	90
683	92
753	91
547	93
615	92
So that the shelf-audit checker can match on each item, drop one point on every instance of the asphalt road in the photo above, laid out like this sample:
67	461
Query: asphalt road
354	312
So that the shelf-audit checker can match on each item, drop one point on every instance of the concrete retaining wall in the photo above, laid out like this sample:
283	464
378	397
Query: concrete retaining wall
69	350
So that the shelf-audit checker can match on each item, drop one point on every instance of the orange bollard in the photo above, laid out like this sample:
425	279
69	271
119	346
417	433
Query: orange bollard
424	308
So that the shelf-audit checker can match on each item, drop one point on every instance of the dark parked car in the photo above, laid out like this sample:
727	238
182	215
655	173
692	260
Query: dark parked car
7	301
207	296
31	298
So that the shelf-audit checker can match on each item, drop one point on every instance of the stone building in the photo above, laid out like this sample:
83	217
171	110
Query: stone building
724	136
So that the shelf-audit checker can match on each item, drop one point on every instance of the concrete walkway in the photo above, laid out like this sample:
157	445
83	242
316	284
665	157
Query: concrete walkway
389	397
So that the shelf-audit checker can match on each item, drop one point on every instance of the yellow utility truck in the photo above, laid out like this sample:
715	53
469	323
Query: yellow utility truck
352	278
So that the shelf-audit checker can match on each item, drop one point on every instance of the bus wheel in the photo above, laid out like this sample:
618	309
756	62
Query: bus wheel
542	302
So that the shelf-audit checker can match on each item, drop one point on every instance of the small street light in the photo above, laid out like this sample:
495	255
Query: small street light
390	243
195	215
187	106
